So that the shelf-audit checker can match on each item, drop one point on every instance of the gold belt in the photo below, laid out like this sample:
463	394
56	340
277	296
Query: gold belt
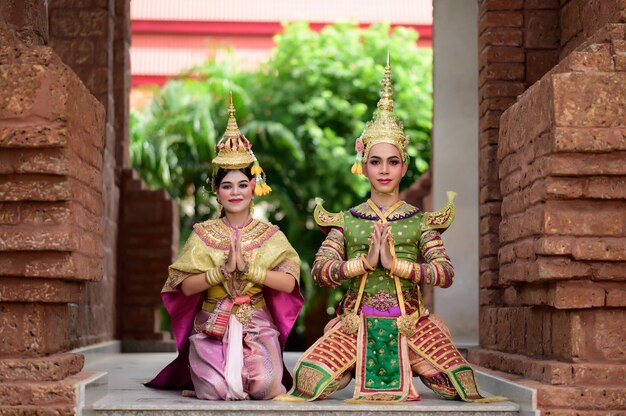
244	307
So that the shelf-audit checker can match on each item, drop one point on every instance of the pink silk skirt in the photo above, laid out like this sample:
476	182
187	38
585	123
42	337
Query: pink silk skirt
262	370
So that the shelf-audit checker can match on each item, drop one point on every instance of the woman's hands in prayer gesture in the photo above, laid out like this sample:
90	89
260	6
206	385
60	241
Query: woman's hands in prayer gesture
380	250
386	259
235	261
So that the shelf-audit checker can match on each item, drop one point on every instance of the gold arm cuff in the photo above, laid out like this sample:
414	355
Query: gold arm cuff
367	265
214	276
401	268
256	275
355	267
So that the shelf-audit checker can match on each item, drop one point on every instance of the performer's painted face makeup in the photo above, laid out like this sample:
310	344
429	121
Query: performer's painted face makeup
384	167
235	192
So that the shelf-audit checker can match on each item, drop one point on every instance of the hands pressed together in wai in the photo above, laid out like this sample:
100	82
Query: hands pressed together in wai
235	261
380	242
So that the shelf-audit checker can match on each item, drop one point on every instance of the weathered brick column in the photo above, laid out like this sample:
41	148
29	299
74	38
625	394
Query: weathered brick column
148	244
518	43
562	239
82	33
51	141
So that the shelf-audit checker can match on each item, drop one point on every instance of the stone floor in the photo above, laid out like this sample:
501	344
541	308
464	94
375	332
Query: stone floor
117	390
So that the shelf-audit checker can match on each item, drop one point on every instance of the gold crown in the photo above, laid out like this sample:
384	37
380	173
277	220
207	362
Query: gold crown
385	127
234	151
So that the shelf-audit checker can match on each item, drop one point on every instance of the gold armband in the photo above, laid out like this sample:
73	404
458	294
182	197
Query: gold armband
214	276
402	268
355	267
255	275
366	264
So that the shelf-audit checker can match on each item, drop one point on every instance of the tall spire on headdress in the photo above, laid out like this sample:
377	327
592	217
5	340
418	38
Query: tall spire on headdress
385	127
234	151
386	93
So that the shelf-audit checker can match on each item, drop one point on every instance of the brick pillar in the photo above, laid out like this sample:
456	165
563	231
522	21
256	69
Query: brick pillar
518	43
501	79
121	86
51	204
552	306
148	245
83	33
28	19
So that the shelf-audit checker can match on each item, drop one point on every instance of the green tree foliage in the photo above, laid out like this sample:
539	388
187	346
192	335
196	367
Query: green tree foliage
302	110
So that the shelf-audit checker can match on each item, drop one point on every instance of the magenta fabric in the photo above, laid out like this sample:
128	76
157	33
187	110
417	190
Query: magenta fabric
371	311
283	307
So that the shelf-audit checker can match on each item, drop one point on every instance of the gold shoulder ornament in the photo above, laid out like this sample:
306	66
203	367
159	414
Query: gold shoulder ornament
324	218
442	219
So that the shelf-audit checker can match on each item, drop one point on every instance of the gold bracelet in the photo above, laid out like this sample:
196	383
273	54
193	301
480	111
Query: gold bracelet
355	267
394	267
256	275
401	268
366	264
350	269
213	276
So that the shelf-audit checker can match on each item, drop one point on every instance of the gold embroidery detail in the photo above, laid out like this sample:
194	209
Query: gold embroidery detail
466	378
216	234
324	218
308	379
441	219
244	313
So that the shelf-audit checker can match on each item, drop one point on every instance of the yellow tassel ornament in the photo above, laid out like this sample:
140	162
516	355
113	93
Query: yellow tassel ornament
357	168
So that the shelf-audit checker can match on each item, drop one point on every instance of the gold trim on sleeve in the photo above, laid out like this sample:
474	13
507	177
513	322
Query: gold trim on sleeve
324	218
441	219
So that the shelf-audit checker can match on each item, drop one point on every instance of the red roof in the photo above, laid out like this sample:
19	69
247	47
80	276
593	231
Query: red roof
411	12
171	36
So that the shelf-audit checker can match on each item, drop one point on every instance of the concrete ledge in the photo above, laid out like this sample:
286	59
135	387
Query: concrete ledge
96	352
525	397
134	346
89	391
128	397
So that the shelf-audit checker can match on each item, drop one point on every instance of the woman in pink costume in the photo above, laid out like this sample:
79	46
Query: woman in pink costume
233	293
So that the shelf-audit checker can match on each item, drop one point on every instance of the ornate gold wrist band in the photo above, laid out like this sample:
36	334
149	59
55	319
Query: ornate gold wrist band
213	276
366	264
355	267
256	275
401	268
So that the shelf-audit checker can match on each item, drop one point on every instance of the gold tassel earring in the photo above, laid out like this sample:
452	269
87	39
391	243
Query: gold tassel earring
251	207
219	211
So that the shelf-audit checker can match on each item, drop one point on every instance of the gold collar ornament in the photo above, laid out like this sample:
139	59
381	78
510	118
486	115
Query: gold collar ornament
234	152
385	127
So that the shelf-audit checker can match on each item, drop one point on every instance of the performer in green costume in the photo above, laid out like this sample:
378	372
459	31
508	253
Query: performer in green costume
385	248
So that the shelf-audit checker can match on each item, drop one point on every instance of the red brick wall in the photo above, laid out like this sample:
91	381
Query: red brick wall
51	205
83	34
51	200
579	19
148	245
518	43
553	216
121	86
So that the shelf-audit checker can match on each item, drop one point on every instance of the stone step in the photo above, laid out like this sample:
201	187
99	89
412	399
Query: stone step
127	396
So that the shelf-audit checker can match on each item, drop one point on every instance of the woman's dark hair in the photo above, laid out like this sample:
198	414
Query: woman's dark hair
221	173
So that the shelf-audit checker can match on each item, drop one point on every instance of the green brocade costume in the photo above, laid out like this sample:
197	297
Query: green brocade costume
382	337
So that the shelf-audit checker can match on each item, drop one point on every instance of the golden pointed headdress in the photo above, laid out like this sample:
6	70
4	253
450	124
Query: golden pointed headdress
234	151
385	127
